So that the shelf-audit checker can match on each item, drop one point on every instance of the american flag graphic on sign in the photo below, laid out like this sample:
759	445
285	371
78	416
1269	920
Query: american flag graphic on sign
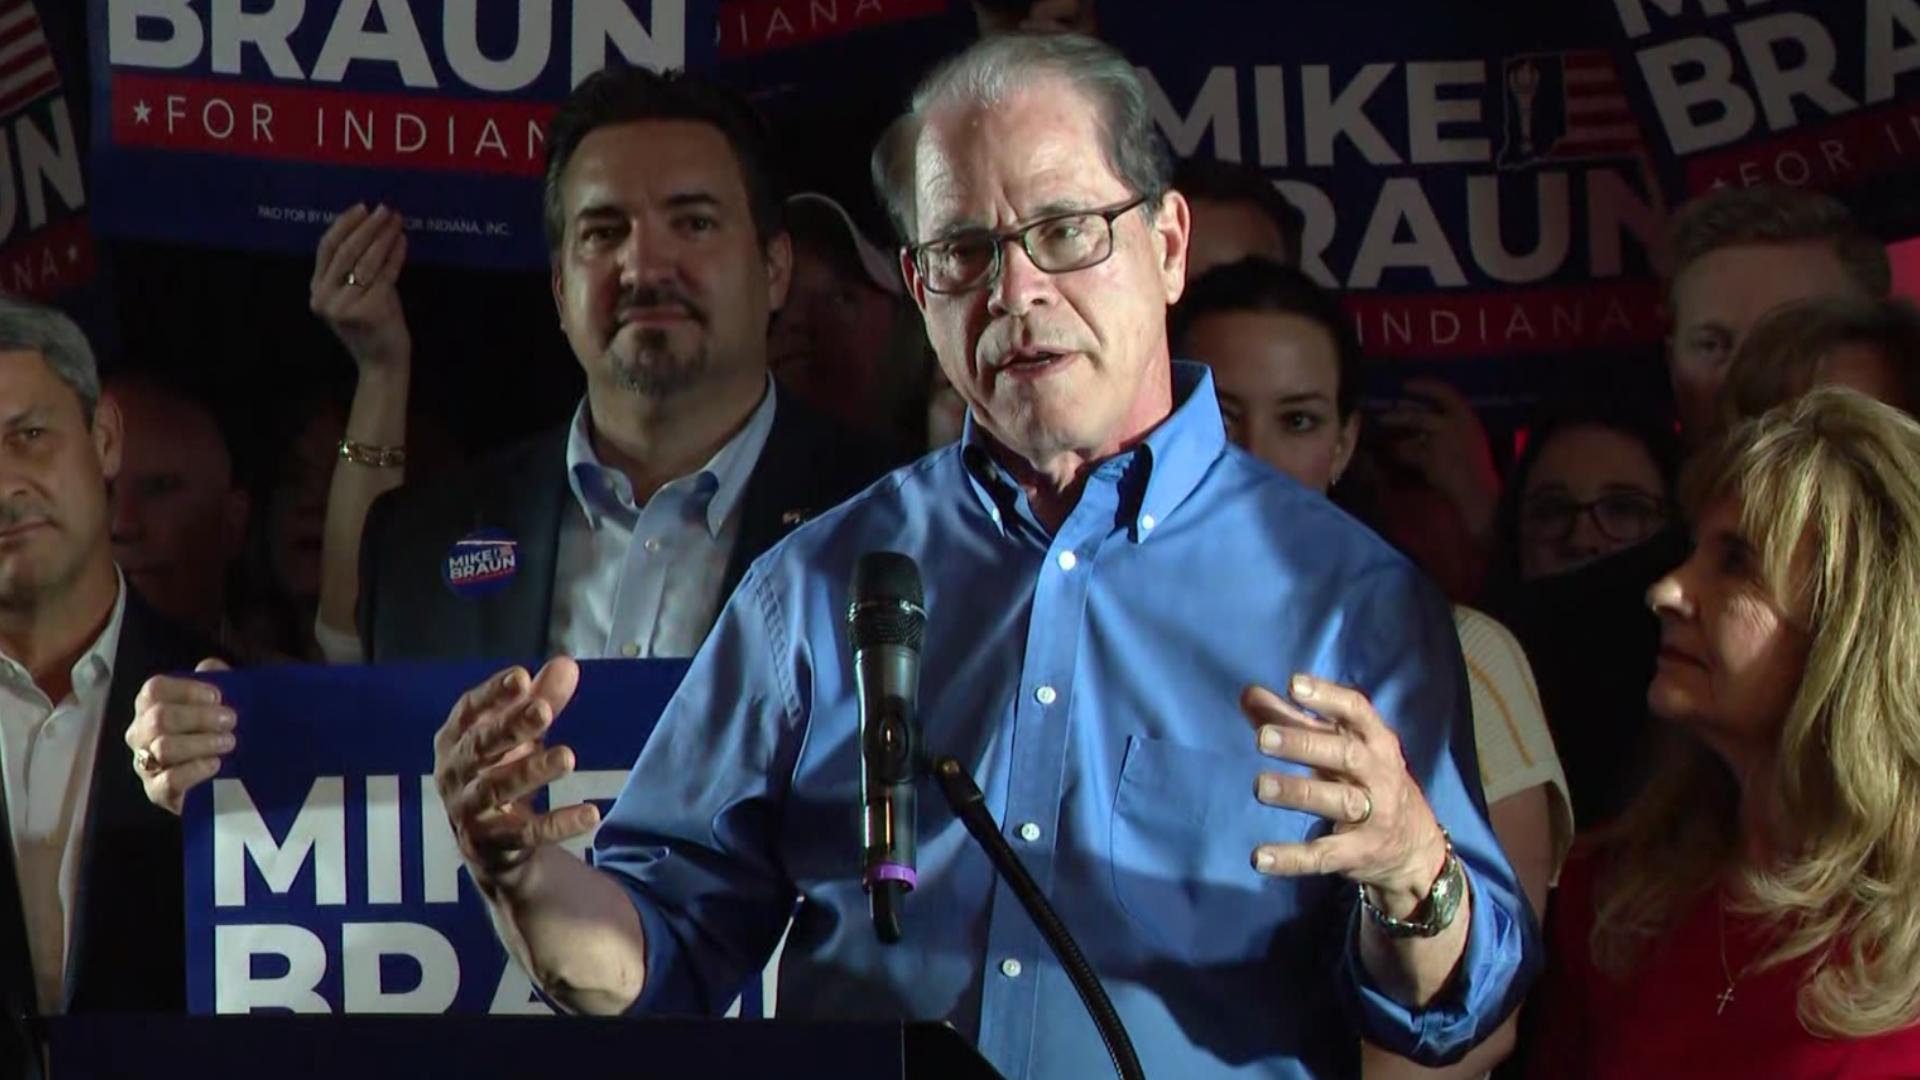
27	73
1565	107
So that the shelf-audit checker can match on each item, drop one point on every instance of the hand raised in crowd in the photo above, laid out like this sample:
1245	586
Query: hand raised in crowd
1385	834
180	731
489	759
1442	440
355	287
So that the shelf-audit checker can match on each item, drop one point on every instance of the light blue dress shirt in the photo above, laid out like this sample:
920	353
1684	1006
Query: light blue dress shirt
1090	678
643	580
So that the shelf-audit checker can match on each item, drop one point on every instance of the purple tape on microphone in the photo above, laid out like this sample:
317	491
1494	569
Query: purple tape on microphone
891	872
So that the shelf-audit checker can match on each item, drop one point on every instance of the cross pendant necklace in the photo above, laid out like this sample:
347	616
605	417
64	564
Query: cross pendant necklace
1725	996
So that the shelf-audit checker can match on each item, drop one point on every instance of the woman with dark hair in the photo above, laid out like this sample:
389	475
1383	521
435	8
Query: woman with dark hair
1287	369
1586	525
1595	478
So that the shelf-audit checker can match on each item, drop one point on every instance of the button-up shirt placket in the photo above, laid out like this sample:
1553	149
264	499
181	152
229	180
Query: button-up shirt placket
47	752
1036	769
672	523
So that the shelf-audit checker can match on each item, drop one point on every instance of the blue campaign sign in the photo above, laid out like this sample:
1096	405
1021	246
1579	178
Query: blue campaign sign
1804	93
251	126
46	244
1471	176
321	874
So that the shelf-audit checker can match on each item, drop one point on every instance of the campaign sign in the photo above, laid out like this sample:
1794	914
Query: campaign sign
1470	176
321	873
252	126
1804	93
46	246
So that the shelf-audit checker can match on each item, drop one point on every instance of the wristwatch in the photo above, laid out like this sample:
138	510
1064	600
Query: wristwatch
1436	912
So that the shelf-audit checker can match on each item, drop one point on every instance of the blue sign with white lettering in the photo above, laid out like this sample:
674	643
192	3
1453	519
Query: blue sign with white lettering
1821	94
321	873
253	125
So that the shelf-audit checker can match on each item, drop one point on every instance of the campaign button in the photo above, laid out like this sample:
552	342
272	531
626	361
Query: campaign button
481	563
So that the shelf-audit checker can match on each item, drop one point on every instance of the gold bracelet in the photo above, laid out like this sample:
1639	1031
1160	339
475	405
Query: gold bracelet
377	457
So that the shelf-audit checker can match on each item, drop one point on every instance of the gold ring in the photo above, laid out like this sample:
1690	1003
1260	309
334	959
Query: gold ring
144	760
353	279
1368	812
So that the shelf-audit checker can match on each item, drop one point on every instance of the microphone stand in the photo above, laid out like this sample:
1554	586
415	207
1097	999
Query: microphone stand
963	795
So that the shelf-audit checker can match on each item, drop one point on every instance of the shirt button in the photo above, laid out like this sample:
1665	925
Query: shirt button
1045	695
1029	832
1146	522
630	649
1068	560
652	544
1010	968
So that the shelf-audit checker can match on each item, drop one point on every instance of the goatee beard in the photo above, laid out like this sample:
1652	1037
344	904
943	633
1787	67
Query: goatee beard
654	370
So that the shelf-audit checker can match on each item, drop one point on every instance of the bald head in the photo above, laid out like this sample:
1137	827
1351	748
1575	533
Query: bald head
179	520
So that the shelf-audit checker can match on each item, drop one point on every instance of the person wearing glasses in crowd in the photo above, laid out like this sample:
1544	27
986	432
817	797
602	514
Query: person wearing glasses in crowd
1585	525
1287	368
1588	488
1104	575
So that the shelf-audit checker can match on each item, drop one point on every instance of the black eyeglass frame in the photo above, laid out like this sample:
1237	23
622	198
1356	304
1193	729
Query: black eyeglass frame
1022	233
1575	510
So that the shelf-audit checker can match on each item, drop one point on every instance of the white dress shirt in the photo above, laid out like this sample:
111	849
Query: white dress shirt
644	580
47	753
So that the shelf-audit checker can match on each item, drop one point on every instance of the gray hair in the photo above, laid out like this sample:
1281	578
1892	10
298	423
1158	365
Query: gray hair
26	326
998	66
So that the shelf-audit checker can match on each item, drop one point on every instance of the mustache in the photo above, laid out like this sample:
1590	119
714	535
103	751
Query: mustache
23	512
657	296
997	343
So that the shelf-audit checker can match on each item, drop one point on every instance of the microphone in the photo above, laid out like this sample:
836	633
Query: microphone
886	621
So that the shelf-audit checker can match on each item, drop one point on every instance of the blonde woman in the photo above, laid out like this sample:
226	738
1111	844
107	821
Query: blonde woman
1756	912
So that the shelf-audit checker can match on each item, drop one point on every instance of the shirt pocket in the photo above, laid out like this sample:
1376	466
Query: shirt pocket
1185	823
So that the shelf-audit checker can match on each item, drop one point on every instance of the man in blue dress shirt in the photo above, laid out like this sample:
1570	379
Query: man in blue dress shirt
1108	585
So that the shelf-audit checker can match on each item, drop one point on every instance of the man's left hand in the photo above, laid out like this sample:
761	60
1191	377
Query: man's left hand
1384	833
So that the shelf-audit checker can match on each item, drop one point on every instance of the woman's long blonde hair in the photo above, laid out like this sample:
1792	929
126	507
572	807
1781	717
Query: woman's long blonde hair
1832	479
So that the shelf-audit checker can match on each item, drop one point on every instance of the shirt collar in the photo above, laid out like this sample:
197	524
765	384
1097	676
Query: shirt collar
93	668
601	490
1155	476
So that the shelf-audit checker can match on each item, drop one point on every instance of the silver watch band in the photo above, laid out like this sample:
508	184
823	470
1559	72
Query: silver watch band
1436	912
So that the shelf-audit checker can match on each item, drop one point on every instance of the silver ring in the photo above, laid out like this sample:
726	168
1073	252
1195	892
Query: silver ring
1366	814
144	760
353	279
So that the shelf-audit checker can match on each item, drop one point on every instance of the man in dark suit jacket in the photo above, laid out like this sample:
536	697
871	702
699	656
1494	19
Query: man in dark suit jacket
669	258
670	254
407	611
68	624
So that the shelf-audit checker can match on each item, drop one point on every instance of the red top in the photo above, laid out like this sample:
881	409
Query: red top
1665	1019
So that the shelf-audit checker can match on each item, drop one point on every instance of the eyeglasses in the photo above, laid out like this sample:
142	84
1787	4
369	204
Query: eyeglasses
1056	244
1626	517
